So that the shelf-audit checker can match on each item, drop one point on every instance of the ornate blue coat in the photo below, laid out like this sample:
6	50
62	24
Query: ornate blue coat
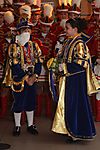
73	114
22	61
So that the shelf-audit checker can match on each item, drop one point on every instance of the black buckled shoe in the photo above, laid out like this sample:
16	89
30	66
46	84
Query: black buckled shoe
16	131
4	146
69	139
32	129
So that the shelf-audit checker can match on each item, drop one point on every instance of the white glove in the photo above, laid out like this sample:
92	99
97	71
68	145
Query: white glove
61	67
58	47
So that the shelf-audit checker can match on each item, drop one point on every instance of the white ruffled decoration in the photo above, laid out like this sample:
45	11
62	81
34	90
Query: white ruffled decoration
9	17
48	10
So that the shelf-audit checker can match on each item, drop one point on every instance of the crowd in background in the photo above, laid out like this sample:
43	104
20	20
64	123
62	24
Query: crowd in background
47	24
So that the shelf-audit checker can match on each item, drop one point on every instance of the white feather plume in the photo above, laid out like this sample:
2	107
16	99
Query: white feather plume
35	2
1	2
77	2
97	3
31	2
38	3
48	10
63	2
10	1
69	2
25	9
9	17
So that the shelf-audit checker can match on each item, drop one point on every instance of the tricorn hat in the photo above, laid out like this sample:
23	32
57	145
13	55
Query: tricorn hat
74	9
36	6
24	24
62	6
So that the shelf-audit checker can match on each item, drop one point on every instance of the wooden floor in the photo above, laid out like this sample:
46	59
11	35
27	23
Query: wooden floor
45	140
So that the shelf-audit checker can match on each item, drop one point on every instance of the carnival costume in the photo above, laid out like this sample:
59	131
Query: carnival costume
6	37
22	70
73	114
23	61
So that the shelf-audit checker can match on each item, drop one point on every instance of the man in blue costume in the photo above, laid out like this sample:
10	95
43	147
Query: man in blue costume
23	69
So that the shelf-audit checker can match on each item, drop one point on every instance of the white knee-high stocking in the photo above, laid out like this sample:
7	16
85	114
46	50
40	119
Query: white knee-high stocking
30	116
17	117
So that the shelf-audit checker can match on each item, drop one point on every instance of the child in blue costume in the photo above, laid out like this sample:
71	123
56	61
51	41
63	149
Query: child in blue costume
24	67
